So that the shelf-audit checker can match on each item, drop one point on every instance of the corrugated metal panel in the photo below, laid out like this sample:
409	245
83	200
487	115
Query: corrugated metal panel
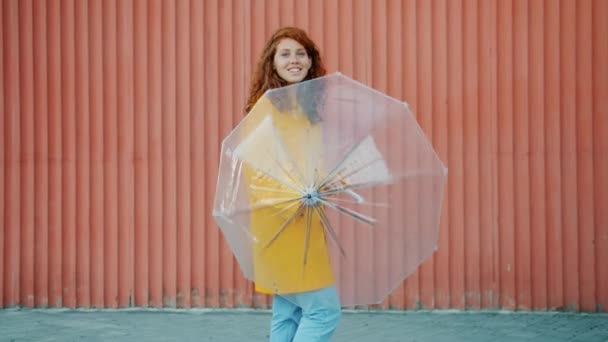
113	113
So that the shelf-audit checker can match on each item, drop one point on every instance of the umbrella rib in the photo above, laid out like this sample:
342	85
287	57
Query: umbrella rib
285	150
283	227
264	188
389	180
337	177
358	216
289	206
375	182
307	235
329	228
283	169
336	168
268	205
311	157
354	186
382	205
276	179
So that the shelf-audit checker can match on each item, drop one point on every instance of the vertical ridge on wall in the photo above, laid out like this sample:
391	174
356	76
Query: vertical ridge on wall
225	114
314	23
184	221
169	149
83	146
455	163
272	15
55	153
302	15
3	161
212	146
553	175
410	22
394	71
41	223
41	155
537	156
11	135
241	59
155	155
199	186
113	114
584	162
286	12
424	114
96	158
26	276
600	150
110	154
340	48
568	151
125	142
487	106
439	82
141	244
521	114
68	145
505	173
362	50
380	54
472	242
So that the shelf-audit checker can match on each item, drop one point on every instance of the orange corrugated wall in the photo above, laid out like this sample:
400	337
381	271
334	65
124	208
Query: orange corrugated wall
113	113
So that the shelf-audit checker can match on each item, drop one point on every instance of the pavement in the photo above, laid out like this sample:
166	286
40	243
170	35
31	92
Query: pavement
40	325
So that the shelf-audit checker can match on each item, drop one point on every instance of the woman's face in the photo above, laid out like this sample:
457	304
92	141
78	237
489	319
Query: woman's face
291	61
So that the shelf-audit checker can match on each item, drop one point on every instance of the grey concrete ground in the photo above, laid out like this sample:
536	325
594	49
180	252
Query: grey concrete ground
18	325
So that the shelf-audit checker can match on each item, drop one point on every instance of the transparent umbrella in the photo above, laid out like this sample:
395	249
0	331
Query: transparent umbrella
326	182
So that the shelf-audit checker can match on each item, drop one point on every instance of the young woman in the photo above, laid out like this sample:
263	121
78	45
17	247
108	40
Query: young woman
306	305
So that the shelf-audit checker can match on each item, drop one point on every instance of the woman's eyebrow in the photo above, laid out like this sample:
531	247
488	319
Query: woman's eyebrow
288	49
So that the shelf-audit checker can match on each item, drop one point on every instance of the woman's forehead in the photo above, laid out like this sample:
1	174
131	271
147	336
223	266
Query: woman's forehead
289	44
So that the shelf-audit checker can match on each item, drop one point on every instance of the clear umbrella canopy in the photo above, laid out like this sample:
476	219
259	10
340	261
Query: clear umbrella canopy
326	182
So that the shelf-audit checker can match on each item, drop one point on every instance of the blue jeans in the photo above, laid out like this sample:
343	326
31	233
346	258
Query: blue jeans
310	316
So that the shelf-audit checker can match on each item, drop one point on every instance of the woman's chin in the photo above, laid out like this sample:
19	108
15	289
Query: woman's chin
292	79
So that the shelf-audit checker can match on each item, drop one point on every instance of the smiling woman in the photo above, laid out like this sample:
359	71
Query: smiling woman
306	307
291	61
288	48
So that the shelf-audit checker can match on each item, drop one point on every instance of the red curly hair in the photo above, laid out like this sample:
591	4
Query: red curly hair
265	76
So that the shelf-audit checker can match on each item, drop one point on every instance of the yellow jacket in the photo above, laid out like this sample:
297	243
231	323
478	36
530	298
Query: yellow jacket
279	266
